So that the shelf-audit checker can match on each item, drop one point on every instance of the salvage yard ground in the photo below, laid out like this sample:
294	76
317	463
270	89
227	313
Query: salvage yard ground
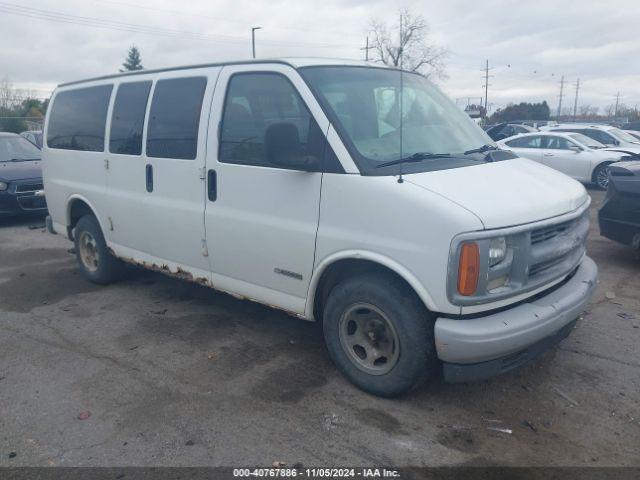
156	371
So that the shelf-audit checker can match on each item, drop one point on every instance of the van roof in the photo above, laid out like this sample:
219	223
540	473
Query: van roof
295	62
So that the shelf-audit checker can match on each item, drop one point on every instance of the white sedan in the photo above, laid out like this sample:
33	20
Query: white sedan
574	154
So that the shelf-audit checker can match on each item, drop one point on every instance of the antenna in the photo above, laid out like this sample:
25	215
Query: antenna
400	180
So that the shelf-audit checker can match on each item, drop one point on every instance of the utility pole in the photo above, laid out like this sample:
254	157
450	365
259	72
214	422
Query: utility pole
400	44
560	98
575	102
617	102
366	49
486	85
253	40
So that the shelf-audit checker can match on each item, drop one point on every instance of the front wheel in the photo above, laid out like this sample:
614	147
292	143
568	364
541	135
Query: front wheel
94	258
379	334
601	176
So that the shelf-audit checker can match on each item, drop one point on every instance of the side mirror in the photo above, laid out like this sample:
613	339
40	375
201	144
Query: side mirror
283	148
575	148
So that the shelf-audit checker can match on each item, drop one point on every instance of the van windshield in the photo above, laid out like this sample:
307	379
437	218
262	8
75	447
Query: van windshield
382	117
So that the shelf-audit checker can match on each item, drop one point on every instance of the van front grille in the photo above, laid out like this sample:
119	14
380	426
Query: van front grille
547	233
557	248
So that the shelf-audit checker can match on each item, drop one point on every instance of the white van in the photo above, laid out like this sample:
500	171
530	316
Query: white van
354	195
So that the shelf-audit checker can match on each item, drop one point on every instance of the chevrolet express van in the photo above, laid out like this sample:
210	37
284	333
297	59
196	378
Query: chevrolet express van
350	194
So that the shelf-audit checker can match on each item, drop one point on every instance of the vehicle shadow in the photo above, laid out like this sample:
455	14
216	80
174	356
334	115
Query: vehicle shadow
35	221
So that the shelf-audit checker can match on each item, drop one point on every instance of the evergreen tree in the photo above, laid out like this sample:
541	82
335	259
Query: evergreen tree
133	61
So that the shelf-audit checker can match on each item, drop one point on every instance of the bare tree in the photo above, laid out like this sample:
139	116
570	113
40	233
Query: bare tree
609	110
406	45
6	93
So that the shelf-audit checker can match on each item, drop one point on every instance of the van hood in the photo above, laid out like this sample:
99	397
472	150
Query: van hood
507	193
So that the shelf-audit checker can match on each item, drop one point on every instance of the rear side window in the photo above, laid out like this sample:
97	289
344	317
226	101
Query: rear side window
558	143
261	105
78	119
128	118
526	142
174	118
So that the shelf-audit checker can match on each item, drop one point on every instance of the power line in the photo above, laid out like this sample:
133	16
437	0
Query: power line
50	15
219	19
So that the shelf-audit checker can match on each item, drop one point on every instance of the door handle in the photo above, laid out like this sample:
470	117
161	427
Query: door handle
149	179
548	154
212	185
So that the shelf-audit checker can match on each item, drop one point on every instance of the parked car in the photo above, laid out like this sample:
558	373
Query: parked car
619	216
605	134
537	124
634	133
574	154
285	182
34	136
506	130
21	190
633	126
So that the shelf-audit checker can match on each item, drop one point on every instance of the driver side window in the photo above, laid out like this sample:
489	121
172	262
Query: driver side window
265	123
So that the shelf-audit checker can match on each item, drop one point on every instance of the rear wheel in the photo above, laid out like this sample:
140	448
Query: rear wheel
601	176
379	334
94	258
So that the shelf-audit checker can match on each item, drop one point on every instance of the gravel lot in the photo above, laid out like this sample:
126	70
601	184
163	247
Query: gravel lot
156	371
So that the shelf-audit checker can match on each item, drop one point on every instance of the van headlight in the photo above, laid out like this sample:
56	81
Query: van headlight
481	267
3	186
497	250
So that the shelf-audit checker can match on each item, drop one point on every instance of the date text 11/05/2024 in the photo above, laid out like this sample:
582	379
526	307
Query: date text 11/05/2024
316	472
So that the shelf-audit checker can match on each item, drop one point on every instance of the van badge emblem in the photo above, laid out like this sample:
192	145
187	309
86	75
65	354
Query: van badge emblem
288	273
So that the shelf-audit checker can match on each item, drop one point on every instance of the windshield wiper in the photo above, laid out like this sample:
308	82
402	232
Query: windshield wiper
416	157
24	159
482	149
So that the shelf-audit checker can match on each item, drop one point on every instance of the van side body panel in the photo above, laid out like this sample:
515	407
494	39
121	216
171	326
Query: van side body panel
71	174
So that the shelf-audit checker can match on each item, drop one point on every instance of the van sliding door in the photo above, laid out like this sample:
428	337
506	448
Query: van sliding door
157	191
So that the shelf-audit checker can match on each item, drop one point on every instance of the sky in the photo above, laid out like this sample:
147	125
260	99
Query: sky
530	45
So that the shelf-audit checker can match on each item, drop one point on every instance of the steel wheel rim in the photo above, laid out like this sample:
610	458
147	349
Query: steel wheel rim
369	339
603	177
89	251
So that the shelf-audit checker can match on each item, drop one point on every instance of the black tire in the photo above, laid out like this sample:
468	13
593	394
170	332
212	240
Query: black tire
601	176
416	359
106	268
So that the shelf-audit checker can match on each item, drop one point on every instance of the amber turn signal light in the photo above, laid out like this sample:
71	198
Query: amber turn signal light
469	269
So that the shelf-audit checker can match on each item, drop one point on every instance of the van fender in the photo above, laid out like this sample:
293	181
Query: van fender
374	257
67	219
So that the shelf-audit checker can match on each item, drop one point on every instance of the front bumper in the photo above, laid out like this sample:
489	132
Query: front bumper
23	197
473	349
